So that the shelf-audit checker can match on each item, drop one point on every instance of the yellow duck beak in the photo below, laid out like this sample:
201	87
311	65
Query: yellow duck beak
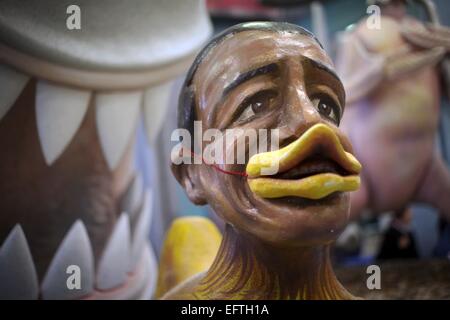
319	141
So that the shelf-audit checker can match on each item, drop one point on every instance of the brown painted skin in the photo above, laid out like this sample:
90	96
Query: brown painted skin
47	200
393	130
271	248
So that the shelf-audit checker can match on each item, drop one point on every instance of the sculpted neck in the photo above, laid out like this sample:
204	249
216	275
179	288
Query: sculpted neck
247	268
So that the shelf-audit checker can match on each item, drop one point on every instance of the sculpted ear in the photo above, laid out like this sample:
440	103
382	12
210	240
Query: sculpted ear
188	177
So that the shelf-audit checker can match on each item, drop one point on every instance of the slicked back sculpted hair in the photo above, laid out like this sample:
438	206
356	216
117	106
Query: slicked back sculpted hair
186	102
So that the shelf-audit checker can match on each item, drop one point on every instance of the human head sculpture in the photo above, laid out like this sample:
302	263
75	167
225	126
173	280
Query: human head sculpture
269	75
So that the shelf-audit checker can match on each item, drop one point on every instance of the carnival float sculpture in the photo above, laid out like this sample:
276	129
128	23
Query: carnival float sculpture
279	224
391	73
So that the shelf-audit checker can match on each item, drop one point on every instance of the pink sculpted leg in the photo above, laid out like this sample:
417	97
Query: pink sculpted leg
435	189
359	200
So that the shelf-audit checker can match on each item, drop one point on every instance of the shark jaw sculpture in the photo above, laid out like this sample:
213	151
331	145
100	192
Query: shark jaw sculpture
278	228
69	108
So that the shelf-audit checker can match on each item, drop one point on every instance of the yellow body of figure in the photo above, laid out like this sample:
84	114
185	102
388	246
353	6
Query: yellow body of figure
190	247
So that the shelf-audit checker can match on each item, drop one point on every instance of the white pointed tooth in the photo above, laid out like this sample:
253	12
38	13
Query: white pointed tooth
113	266
75	250
59	113
12	83
156	103
140	236
134	195
152	270
18	278
117	115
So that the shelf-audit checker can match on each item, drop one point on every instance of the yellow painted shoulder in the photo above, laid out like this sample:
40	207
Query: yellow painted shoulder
190	247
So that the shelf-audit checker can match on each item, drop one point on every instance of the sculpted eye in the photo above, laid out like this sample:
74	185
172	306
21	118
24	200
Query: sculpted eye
327	108
259	103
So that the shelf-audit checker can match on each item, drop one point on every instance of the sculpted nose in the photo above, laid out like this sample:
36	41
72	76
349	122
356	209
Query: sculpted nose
299	113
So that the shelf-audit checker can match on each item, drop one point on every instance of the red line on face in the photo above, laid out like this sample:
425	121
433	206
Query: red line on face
215	166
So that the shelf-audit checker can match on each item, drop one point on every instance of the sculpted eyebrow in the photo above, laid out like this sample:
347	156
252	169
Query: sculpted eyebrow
323	67
249	75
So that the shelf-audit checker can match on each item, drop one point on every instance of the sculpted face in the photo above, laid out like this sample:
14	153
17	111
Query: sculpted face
285	81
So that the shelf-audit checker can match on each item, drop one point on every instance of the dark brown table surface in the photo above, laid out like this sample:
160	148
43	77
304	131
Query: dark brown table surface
406	279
